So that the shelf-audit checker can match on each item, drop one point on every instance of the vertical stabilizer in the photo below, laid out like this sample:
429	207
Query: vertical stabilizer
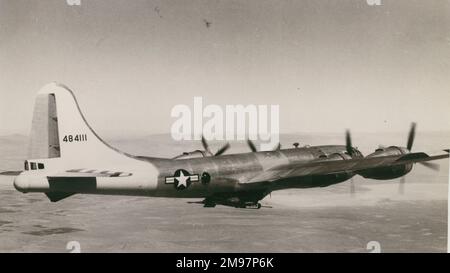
59	129
44	139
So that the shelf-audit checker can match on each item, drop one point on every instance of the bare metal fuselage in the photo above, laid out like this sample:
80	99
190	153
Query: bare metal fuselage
228	176
227	171
68	157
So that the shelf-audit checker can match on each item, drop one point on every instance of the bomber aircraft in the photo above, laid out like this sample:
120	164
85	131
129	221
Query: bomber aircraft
67	157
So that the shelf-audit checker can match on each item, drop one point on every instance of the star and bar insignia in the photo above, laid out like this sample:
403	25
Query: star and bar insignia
182	179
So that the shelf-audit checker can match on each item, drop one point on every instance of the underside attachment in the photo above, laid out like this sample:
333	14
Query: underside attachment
247	200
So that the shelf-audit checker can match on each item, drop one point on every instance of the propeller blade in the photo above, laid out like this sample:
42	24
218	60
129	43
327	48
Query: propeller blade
411	135
348	142
223	149
352	187
401	185
278	147
433	166
206	146
251	145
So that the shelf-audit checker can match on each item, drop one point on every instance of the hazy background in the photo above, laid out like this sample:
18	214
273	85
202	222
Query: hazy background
327	219
330	65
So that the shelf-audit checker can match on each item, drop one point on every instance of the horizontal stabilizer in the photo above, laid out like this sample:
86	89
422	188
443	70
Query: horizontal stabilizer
11	173
72	184
91	173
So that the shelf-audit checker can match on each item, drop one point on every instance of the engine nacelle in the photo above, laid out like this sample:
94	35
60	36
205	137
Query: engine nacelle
330	179
386	173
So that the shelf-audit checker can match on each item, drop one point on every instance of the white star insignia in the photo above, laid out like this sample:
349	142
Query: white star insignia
182	180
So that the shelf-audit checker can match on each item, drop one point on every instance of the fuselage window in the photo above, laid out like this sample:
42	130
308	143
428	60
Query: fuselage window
33	165
26	165
40	166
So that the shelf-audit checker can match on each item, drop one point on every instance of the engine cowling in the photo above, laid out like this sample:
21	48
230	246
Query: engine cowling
339	156
386	173
330	179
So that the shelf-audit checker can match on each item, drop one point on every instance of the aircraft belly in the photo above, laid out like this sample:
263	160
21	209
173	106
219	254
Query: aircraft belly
310	181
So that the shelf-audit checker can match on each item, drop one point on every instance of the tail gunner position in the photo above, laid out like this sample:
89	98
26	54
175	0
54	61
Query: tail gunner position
67	157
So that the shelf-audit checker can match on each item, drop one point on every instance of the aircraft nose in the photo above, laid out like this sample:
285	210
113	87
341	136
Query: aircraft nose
21	183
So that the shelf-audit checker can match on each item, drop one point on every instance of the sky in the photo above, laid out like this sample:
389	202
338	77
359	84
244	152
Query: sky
329	65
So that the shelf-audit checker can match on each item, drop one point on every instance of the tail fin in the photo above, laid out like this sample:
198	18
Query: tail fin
59	129
44	140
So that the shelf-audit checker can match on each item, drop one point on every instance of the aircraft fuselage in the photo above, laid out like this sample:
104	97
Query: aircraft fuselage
222	174
208	176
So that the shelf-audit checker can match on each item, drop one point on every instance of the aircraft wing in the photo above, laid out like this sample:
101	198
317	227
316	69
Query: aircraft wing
324	167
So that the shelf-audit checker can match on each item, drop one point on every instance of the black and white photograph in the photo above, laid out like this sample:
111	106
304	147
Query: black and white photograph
225	126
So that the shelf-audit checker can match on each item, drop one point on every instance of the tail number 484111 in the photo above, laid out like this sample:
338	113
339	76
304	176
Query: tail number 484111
75	138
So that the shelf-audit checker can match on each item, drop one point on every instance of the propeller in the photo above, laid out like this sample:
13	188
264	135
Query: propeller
253	148
352	187
401	185
350	151
409	145
206	146
348	143
433	166
411	136
278	147
251	145
222	150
